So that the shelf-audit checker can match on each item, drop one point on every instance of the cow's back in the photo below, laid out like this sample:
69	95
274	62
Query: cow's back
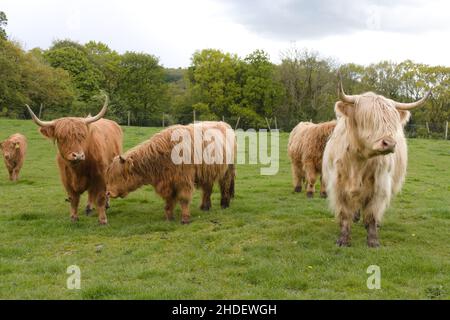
105	141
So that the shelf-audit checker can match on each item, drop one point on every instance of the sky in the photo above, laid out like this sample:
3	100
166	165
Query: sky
359	31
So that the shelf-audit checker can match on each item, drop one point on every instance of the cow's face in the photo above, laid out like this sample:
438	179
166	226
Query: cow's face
119	180
71	137
375	123
10	149
71	134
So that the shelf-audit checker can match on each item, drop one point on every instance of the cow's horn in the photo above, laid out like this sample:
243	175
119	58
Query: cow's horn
122	159
343	96
38	121
409	106
100	114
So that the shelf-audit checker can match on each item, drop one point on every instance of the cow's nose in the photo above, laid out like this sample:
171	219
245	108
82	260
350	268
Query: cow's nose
78	156
387	145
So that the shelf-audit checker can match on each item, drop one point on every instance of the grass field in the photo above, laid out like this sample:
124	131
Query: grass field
270	244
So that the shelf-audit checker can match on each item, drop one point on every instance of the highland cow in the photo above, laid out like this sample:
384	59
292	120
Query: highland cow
152	163
305	149
86	146
364	163
14	149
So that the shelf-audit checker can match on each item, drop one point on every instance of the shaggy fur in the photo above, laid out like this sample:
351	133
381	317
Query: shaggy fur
305	149
14	149
360	176
99	143
151	163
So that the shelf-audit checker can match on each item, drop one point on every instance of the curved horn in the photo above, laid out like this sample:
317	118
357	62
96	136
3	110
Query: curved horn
409	106
343	96
100	114
38	121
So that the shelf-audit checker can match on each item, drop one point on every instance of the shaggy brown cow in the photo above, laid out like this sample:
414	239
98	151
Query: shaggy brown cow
152	162
14	149
86	146
305	149
364	162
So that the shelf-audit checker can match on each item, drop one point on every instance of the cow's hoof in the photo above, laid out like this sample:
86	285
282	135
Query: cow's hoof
343	242
185	221
103	222
88	210
224	204
205	207
310	194
74	218
373	243
298	189
323	195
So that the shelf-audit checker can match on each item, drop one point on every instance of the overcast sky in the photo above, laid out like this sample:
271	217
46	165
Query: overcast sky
360	31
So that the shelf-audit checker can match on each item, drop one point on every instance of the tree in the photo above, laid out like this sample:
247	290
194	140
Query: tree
86	77
27	78
141	88
214	80
3	24
261	92
310	88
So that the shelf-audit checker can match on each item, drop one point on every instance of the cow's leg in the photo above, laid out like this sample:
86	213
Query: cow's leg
227	187
370	222
357	216
310	179
168	209
345	222
101	207
11	176
185	196
206	197
323	188
297	177
90	205
15	175
98	193
74	199
232	172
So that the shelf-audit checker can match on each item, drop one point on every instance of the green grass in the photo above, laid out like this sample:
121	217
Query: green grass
270	244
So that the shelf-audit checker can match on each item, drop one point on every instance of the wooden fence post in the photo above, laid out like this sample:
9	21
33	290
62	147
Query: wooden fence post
268	125
129	115
193	115
40	110
163	121
446	130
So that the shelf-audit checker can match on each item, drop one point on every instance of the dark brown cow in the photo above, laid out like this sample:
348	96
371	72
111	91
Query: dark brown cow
14	149
86	146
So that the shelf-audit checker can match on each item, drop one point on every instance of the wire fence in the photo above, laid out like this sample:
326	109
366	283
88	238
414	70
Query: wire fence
427	130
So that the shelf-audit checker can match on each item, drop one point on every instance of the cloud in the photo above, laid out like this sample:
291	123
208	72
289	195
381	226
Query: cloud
303	19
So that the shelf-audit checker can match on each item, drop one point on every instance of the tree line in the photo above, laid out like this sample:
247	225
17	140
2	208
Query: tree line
70	78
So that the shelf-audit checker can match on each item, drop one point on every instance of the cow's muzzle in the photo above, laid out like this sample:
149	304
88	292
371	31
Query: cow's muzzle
76	157
385	145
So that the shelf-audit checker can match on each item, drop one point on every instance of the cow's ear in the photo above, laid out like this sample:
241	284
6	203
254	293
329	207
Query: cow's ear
48	132
129	164
343	109
404	116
